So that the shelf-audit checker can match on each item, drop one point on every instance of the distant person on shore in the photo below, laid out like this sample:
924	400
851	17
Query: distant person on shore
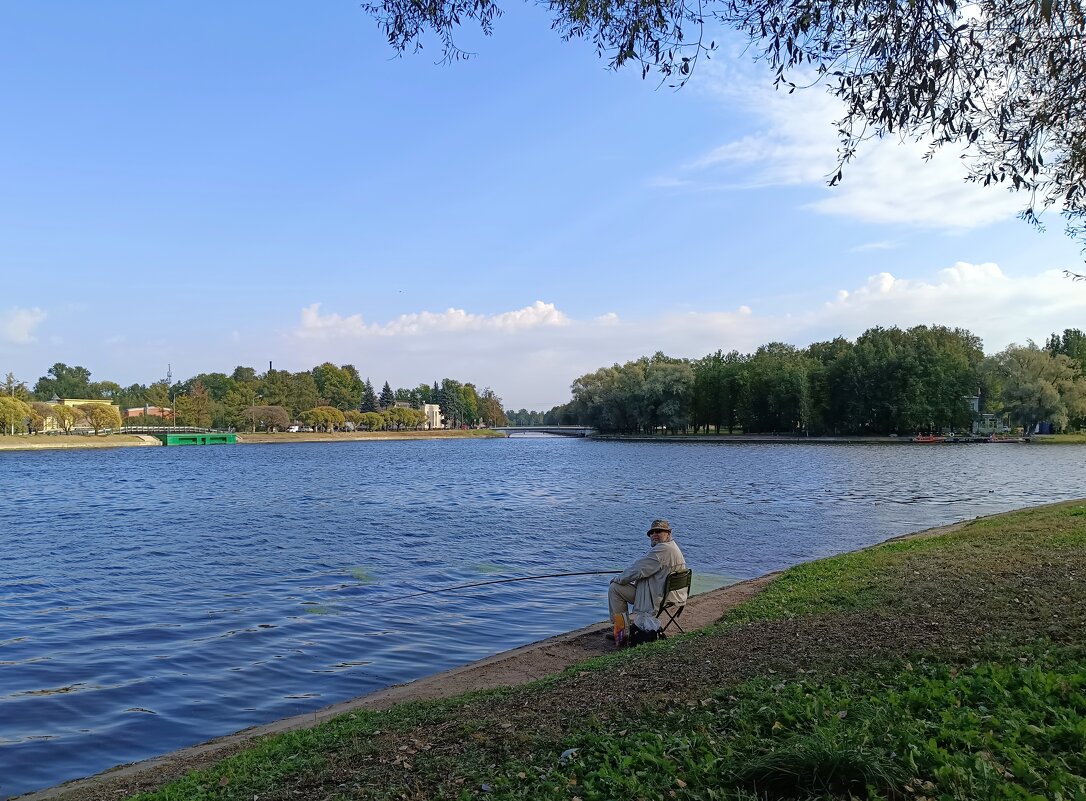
642	585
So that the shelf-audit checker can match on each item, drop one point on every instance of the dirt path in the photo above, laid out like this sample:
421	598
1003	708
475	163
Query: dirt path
510	668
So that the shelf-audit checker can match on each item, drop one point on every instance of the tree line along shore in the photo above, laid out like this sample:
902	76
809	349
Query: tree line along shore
946	665
82	442
926	379
326	398
887	381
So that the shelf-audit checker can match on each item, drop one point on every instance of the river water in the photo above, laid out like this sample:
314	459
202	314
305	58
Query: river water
152	598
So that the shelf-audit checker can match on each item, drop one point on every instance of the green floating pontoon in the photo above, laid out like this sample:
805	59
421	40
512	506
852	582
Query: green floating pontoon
214	438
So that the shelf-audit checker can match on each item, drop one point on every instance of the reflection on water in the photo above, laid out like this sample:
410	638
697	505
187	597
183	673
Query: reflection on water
154	598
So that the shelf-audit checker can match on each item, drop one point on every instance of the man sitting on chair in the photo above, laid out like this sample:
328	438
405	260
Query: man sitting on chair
642	585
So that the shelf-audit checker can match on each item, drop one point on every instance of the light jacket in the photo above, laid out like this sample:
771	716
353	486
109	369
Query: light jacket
649	576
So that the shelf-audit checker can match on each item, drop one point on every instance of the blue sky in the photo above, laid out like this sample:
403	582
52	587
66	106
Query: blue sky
208	185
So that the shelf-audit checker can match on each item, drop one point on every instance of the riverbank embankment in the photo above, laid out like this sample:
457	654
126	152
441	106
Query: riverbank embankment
49	442
793	439
287	437
40	442
863	675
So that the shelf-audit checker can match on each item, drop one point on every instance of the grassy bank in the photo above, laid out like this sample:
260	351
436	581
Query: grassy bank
261	438
1062	439
936	667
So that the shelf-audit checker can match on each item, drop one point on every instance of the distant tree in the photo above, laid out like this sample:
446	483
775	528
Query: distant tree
43	412
666	393
195	407
565	415
275	388
323	418
244	375
1039	386
105	390
387	398
490	409
372	421
356	383
603	399
451	402
523	417
66	417
240	398
185	413
1072	343
825	362
158	394
398	418
63	382
268	418
716	390
336	385
469	404
369	398
353	416
14	414
14	388
301	392
217	385
100	416
131	396
36	421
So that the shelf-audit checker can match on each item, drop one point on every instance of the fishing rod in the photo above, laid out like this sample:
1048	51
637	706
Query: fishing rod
496	581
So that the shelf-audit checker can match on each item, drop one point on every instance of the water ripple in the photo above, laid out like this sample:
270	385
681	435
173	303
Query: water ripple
154	598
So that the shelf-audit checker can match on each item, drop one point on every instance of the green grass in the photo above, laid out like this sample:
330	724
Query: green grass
1062	439
1013	729
940	667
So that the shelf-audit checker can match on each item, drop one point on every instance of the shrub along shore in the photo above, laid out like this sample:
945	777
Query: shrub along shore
941	666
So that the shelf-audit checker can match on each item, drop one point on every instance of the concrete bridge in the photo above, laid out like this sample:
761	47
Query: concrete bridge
562	431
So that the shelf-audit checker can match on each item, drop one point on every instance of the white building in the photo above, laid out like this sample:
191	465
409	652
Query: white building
433	415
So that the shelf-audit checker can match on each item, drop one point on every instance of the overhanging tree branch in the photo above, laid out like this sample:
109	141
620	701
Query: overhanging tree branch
1003	79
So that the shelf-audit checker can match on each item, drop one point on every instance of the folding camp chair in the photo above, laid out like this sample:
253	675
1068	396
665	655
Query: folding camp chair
679	580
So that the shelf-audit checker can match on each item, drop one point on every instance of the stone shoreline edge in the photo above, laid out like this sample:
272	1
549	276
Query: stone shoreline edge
514	667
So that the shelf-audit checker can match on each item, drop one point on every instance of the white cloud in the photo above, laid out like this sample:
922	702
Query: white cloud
315	325
531	355
795	143
885	244
999	308
17	325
